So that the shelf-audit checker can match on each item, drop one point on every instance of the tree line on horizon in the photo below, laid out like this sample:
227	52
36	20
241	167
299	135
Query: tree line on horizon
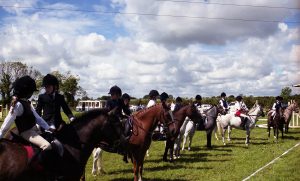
69	87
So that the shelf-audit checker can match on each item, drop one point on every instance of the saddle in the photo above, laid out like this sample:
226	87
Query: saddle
37	158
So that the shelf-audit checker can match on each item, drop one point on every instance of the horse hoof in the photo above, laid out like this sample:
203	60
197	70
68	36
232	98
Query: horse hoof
189	149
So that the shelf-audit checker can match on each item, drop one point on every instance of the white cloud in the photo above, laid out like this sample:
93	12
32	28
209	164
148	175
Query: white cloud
183	57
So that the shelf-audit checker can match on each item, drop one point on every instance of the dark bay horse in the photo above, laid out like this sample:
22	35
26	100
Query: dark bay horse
78	138
277	122
144	123
189	111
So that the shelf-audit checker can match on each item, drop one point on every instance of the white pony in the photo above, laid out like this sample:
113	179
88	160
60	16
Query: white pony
187	131
97	162
233	121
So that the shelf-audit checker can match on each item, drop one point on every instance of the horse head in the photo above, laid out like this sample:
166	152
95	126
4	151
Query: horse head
167	119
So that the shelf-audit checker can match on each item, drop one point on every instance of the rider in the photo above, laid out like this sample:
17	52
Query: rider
153	94
223	102
117	104
25	117
240	110
50	103
178	103
198	104
277	105
126	100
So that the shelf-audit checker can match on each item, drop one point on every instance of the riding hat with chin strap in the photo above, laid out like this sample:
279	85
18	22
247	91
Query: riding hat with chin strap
50	79
24	86
115	90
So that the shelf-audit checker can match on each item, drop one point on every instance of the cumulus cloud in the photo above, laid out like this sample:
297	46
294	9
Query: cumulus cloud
183	57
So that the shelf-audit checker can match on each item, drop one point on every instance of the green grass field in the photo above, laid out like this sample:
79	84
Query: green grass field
235	161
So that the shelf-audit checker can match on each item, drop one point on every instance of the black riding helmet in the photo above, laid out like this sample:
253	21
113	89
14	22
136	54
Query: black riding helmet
223	94
24	87
164	96
178	99
50	79
279	98
153	93
238	98
115	90
198	97
126	96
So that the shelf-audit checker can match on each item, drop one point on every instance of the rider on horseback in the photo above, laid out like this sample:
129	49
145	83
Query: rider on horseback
25	117
116	105
276	106
51	102
240	110
223	102
152	96
178	104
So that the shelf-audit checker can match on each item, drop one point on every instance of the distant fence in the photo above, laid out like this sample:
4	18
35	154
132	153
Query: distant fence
294	123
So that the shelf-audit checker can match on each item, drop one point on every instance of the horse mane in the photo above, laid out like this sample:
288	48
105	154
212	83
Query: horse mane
143	111
88	115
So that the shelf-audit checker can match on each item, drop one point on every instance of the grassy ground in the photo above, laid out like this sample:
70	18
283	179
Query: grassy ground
235	161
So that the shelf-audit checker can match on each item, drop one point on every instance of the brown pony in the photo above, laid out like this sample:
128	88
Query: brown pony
277	122
190	111
78	138
287	114
144	123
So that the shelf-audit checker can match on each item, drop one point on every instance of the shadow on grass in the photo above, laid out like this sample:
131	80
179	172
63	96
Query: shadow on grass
147	179
290	137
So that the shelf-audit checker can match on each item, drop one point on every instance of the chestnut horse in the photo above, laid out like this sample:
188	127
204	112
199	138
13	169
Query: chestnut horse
287	114
78	139
144	123
190	111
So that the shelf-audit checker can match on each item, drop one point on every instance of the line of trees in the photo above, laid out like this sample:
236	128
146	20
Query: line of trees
69	86
10	71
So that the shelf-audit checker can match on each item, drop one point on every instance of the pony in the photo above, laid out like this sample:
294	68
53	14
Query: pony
143	124
277	122
233	121
78	139
189	111
208	125
287	114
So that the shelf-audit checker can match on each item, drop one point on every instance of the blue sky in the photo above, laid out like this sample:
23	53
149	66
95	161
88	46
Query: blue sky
205	52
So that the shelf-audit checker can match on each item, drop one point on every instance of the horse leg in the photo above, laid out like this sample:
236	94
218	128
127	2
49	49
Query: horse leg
99	163
184	141
166	151
229	132
247	136
95	160
208	139
223	135
215	132
135	168
171	146
191	135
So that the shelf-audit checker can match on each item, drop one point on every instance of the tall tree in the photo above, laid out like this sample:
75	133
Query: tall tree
286	92
9	72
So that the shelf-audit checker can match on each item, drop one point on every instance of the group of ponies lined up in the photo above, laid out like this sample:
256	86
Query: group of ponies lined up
190	118
184	125
94	128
